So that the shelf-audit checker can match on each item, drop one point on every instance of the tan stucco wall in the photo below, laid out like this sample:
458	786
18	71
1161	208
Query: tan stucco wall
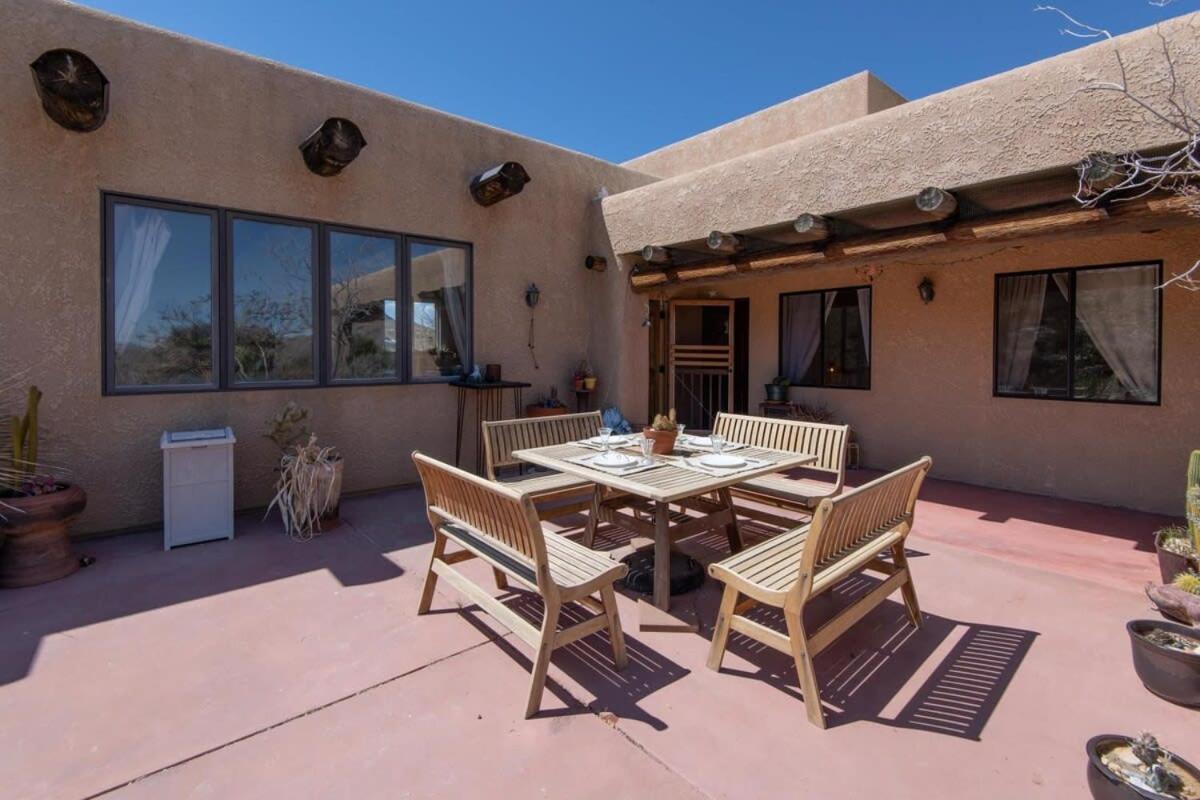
197	123
841	101
1029	119
931	374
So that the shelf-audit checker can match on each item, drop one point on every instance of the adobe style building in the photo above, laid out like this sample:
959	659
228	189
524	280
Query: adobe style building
181	266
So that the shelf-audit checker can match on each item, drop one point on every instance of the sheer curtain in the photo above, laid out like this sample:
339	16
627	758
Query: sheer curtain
143	234
1021	299
864	319
802	318
454	300
1118	308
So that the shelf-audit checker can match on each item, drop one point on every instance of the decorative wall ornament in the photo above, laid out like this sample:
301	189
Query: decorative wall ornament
493	185
925	289
869	273
73	90
596	263
331	147
532	295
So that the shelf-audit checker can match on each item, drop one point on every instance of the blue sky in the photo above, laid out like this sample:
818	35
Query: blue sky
619	78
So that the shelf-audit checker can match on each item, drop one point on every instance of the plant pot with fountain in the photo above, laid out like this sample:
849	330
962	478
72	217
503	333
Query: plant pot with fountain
36	508
663	431
308	491
1121	768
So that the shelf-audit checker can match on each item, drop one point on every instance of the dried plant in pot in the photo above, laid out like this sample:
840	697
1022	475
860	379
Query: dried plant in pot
1121	768
36	508
308	490
663	431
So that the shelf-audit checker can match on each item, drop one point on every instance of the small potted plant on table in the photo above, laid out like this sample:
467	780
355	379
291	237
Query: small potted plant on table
36	509
663	431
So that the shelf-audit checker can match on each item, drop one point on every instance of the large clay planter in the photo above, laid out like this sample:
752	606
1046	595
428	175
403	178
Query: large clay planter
37	546
1171	564
664	441
1171	674
1103	784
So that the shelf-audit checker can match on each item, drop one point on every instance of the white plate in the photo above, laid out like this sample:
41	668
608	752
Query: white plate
722	461
614	440
614	460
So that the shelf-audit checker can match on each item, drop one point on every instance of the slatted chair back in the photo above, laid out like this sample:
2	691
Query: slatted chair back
826	442
501	438
846	526
497	516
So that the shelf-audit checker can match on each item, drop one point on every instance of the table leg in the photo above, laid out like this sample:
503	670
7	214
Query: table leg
732	531
462	410
662	556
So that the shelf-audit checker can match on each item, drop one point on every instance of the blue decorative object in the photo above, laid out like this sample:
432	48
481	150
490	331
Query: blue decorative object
612	419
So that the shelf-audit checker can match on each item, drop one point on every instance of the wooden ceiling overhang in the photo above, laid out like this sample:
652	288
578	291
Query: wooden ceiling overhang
1011	208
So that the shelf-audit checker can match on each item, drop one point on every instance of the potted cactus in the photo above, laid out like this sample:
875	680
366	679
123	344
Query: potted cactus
36	508
663	431
1177	546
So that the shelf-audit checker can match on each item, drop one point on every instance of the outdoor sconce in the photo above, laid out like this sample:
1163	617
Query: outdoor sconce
532	295
596	263
331	147
493	185
925	289
73	90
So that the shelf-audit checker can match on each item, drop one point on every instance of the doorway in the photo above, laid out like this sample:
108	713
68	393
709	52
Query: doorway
698	358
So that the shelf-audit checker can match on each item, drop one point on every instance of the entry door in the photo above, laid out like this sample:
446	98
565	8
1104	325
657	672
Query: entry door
700	360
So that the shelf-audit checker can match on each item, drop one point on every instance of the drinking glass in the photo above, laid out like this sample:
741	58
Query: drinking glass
647	446
718	443
605	435
679	431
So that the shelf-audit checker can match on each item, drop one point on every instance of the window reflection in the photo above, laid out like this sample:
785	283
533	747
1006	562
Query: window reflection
440	303
362	306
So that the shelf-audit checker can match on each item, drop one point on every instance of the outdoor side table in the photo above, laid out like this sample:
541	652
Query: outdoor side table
489	406
197	486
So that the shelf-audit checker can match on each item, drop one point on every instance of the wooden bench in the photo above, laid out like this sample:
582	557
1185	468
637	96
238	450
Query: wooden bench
826	442
554	494
847	535
494	523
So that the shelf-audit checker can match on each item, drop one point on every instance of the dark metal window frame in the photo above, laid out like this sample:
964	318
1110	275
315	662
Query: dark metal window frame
222	304
1073	272
821	344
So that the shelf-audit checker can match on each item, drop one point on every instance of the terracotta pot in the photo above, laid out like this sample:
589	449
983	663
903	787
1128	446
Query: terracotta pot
1171	674
544	411
37	543
664	441
589	383
1171	564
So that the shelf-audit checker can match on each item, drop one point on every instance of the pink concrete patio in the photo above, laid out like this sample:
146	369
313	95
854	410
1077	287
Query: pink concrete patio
267	668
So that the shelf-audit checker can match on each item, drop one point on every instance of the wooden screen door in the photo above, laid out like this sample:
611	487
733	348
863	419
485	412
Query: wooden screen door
700	360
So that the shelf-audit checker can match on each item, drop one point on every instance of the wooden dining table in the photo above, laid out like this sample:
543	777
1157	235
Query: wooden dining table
618	498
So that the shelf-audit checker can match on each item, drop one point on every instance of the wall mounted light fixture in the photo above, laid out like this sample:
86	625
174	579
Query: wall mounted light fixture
596	263
73	90
493	185
925	289
331	147
532	295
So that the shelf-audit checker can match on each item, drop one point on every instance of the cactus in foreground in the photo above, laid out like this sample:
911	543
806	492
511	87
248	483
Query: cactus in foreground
1192	499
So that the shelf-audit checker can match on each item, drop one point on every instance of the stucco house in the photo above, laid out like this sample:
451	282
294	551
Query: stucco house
180	266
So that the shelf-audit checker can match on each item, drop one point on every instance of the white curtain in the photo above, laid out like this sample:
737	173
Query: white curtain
1020	304
143	235
802	317
454	298
864	319
1118	308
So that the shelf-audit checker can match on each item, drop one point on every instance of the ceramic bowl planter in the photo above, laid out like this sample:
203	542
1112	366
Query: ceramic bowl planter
1171	563
37	544
1172	674
1117	770
664	441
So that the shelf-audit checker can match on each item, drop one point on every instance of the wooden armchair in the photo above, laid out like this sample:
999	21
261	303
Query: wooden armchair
826	442
492	522
847	534
554	494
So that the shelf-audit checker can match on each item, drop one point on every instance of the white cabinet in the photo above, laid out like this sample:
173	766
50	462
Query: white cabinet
197	486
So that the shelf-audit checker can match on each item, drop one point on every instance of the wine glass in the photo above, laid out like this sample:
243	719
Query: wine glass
679	432
718	443
647	447
605	436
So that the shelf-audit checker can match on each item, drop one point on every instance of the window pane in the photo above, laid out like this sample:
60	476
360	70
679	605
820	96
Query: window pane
801	338
847	321
1032	334
162	276
362	305
441	336
1116	334
272	266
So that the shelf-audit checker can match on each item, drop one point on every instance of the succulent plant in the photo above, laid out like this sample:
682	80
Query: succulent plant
665	423
1188	581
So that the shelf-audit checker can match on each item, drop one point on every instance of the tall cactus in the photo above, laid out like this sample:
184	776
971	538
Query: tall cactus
23	453
1192	499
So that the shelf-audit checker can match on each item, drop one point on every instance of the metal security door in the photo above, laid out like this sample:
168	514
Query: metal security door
700	361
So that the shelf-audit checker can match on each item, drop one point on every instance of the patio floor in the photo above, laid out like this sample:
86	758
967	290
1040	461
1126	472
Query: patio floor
267	668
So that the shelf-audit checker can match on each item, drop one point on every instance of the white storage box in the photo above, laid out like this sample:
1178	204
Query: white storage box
197	486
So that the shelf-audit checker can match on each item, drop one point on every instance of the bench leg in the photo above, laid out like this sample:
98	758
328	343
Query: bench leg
593	520
609	598
804	668
716	653
732	531
907	589
541	662
439	549
501	579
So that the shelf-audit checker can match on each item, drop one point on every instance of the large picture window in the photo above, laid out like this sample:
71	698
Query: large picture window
825	338
200	299
1089	333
